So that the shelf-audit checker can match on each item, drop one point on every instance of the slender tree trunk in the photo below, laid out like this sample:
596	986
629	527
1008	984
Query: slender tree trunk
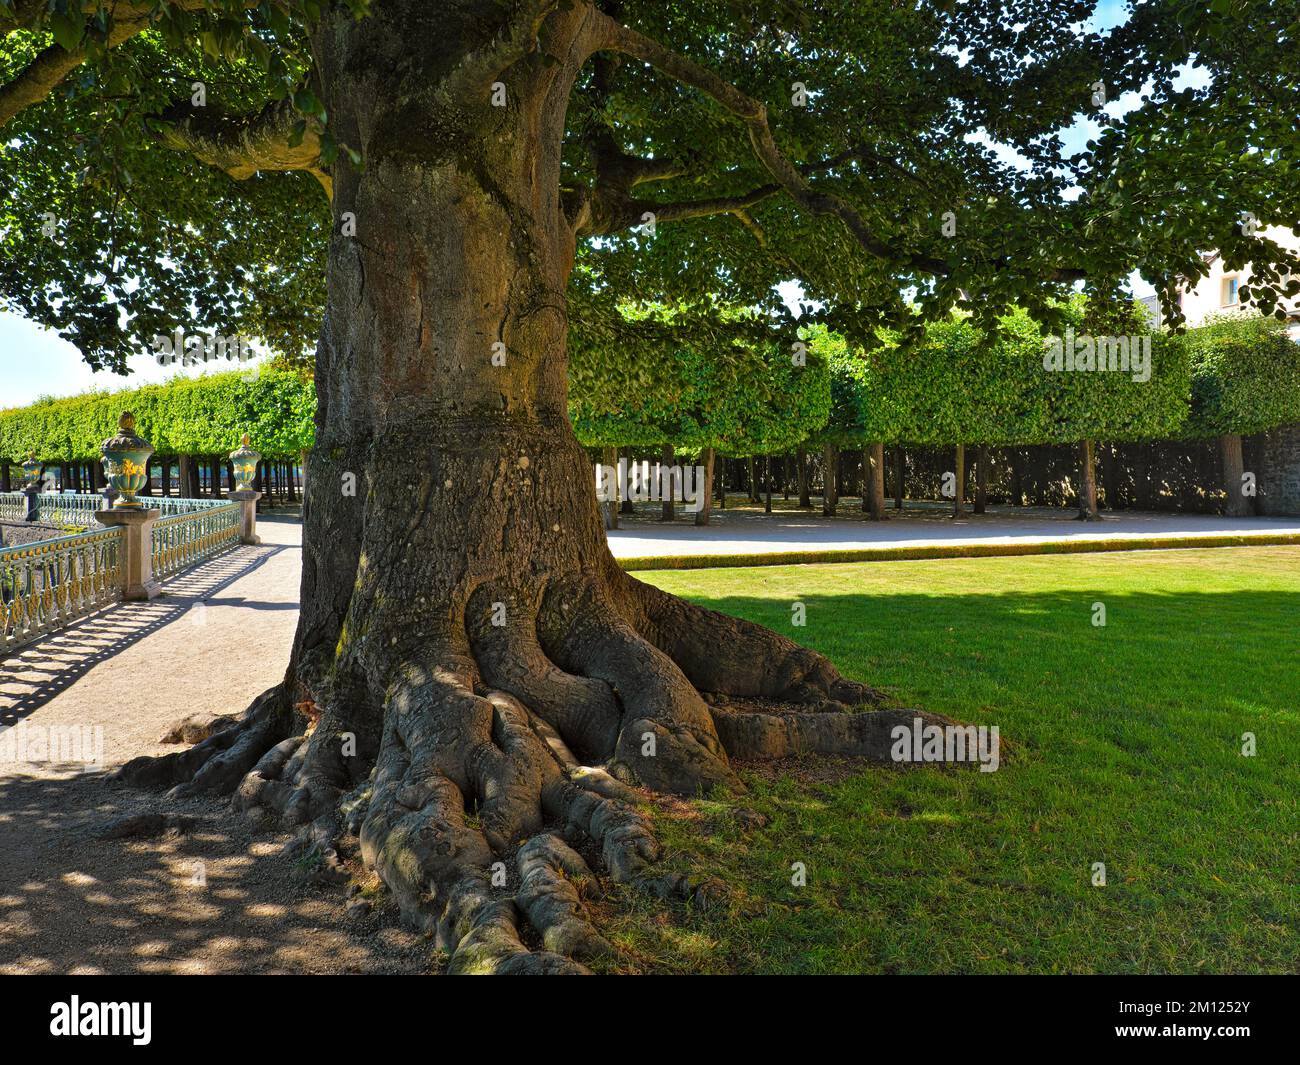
609	459
873	481
900	470
6	484
830	498
666	483
1087	482
752	476
959	475
1236	503
707	460
801	459
981	479
785	477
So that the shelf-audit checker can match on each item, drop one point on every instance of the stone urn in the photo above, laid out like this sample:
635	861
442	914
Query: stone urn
244	460
32	469
126	461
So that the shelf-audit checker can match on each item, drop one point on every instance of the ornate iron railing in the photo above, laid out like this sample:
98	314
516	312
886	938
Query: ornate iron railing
68	508
183	539
45	585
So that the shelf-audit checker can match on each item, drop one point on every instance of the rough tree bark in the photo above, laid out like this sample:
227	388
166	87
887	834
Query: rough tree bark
474	680
801	458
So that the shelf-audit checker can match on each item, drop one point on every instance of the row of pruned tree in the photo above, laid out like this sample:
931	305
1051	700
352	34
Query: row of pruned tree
964	388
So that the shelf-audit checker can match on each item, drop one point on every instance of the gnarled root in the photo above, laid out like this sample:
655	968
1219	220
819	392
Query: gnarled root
500	790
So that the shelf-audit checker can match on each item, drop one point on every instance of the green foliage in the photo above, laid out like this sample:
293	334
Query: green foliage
732	387
186	416
1113	404
1245	376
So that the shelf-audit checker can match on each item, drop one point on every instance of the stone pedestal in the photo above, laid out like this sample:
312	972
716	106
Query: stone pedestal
137	562
33	510
248	520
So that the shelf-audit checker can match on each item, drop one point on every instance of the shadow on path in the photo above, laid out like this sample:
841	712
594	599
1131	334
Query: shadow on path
65	656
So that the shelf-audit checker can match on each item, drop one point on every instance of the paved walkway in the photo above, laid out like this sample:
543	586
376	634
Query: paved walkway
922	525
219	898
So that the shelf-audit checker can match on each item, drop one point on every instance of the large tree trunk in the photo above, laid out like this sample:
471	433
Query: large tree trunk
1236	503
1087	483
873	481
476	669
805	499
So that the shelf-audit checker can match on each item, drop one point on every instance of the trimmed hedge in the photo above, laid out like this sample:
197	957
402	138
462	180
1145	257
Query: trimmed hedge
186	416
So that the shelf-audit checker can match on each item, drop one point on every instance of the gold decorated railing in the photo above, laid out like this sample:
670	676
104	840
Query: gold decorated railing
183	539
45	585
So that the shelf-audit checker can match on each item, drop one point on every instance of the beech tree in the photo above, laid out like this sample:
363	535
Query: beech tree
441	191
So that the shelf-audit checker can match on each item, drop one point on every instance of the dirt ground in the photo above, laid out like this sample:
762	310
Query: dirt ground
224	896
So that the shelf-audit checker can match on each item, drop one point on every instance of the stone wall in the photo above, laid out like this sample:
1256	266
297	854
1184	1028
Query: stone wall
1279	477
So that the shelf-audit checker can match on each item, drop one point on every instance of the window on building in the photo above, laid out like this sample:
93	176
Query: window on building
1230	285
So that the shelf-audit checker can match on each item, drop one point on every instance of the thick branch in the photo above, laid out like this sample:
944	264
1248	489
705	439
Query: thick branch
241	149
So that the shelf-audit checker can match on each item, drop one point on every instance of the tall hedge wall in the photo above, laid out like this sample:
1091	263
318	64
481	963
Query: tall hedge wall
186	416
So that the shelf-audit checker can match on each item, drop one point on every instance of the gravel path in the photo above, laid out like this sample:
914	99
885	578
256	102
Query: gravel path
220	898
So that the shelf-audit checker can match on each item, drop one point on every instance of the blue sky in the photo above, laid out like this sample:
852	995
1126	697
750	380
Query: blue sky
36	362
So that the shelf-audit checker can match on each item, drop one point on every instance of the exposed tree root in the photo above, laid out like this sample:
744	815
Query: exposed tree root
506	748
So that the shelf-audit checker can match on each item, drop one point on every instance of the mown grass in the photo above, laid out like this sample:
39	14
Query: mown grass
1123	745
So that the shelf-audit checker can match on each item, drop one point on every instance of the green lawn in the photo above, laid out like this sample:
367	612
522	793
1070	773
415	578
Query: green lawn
1121	745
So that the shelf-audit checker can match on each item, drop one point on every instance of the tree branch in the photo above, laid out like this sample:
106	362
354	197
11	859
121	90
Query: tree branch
791	178
242	148
44	73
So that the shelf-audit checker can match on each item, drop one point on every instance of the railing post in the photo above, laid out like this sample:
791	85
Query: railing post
138	582
247	515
